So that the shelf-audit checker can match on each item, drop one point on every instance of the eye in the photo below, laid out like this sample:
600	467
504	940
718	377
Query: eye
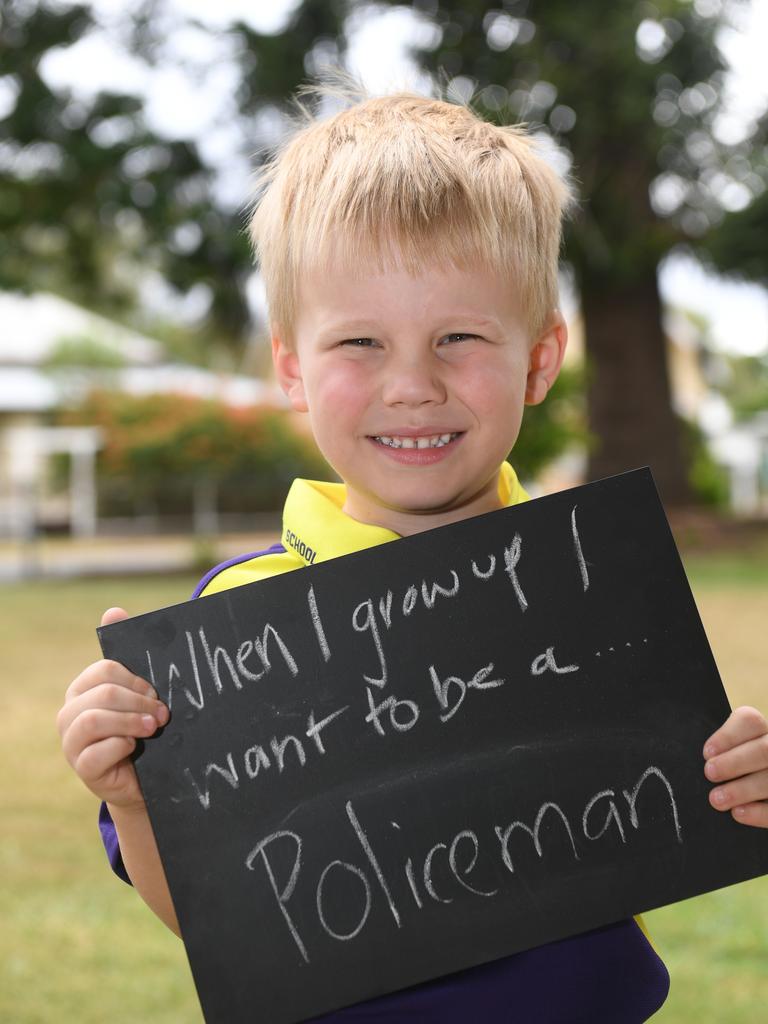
358	342
458	336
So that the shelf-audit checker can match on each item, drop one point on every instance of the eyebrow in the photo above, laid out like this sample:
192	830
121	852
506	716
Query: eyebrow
347	327
361	327
475	318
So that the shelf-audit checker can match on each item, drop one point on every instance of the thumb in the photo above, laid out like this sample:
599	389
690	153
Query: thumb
114	615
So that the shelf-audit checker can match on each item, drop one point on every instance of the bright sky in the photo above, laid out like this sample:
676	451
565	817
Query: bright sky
195	100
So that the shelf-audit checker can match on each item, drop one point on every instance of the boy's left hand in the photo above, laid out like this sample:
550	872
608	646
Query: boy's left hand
737	759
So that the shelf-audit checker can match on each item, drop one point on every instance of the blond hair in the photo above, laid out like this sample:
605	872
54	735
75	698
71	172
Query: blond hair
407	180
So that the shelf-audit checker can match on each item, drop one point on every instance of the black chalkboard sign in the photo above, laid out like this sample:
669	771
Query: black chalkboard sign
424	756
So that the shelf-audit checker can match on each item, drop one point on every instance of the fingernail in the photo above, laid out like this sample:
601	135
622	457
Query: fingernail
739	811
710	770
162	714
149	722
718	795
710	750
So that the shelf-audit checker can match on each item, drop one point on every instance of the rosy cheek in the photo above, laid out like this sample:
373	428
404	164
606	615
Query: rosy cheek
346	383
495	389
341	394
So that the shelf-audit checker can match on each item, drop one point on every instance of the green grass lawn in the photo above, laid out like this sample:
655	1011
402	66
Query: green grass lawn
76	945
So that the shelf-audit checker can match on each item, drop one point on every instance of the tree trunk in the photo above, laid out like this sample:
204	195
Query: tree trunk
630	412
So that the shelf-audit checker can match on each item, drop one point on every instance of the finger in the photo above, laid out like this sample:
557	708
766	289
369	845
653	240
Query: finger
755	814
114	615
751	756
742	725
741	791
95	762
110	697
107	671
96	724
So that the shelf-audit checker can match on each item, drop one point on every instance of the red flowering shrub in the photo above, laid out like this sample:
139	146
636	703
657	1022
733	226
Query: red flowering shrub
163	443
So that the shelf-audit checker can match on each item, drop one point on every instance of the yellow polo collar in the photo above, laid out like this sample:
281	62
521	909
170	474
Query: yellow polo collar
316	527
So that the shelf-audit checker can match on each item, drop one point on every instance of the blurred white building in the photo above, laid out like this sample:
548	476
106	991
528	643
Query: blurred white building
32	388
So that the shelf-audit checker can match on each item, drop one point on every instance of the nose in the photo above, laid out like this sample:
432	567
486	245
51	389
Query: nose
413	378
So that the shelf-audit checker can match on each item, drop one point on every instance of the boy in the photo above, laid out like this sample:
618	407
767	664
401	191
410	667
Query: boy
409	252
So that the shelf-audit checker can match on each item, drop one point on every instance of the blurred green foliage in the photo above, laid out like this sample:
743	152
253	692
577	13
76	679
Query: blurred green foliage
746	386
738	245
82	352
76	364
551	428
92	199
709	481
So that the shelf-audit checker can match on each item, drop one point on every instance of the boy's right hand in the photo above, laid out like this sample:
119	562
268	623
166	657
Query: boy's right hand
106	709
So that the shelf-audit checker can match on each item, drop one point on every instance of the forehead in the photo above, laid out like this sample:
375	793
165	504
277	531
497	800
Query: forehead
338	293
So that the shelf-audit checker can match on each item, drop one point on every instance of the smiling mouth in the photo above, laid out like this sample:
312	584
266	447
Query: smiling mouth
433	441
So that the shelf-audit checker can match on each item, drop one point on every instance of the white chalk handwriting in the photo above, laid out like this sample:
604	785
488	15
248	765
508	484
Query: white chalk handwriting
568	836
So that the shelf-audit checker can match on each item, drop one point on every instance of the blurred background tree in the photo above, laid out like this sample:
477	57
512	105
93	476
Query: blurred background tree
633	92
92	199
739	245
94	203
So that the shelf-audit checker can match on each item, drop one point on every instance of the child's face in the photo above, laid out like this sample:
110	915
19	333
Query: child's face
415	387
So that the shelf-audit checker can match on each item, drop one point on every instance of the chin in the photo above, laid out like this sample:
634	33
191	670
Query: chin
420	506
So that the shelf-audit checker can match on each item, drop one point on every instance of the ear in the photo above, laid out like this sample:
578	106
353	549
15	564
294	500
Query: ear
545	359
288	372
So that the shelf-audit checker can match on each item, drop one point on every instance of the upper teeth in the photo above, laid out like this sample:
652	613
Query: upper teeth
436	441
